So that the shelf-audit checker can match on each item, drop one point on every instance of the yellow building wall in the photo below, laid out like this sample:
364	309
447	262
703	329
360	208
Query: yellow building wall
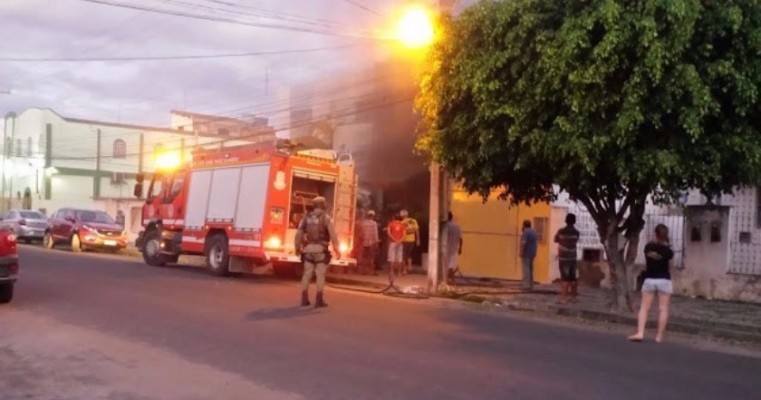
492	233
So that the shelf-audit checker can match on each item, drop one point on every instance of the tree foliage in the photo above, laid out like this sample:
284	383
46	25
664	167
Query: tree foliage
609	100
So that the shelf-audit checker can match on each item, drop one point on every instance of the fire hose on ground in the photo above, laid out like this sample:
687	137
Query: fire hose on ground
394	291
390	290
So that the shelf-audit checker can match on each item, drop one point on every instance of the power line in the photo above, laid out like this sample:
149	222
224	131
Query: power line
216	9
189	135
274	107
363	7
166	58
266	12
114	27
268	25
239	9
245	138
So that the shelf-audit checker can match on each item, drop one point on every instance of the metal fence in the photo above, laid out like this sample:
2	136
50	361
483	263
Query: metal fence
675	221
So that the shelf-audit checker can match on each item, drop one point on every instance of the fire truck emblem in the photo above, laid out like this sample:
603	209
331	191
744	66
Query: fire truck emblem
279	180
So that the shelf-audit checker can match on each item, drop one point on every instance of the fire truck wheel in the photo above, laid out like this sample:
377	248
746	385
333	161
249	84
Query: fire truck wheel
218	255
76	244
6	293
151	249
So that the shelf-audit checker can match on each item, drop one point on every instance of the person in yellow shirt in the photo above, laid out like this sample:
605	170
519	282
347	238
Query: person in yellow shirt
411	239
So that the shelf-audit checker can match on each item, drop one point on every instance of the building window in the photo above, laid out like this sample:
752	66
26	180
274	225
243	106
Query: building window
540	226
41	143
120	148
29	146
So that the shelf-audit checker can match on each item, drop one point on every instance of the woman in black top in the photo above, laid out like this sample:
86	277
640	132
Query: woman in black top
658	256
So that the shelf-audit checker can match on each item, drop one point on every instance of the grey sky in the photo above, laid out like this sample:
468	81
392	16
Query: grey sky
144	92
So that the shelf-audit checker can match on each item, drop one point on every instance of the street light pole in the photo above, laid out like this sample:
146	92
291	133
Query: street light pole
416	29
6	152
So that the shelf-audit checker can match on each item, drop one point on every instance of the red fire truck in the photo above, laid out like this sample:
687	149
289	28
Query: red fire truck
240	206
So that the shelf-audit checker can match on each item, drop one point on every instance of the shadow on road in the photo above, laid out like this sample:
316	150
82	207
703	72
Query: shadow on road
281	313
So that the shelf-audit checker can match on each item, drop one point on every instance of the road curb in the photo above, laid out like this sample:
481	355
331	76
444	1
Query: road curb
705	328
691	327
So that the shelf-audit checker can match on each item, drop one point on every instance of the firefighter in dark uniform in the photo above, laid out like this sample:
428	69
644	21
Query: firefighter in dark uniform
313	238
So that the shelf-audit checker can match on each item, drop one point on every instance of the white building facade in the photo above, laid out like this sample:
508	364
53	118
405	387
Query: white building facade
717	245
50	161
722	243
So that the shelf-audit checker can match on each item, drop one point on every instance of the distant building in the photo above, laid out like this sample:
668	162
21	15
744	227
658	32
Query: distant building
51	161
717	244
251	128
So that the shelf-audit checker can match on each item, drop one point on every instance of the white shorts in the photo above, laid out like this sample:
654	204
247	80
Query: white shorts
452	262
395	252
658	285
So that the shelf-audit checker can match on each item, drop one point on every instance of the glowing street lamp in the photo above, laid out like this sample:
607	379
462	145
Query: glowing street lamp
415	28
168	160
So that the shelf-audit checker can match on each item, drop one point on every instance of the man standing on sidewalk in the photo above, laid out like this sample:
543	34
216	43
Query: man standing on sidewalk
567	238
528	253
454	247
411	239
395	232
368	230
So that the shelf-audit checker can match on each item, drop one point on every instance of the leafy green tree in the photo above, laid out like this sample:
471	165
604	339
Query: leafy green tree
611	101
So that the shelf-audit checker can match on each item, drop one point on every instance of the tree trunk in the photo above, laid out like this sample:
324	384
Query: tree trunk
608	219
621	301
620	264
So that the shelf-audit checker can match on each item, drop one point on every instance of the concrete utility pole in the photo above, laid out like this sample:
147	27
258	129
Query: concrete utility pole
439	198
439	204
434	261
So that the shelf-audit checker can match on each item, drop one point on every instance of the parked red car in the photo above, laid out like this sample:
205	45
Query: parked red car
8	265
83	230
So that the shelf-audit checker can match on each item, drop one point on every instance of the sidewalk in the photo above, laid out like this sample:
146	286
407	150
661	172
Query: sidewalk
712	318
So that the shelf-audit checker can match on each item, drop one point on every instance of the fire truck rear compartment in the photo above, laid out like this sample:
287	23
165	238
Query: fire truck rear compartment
303	190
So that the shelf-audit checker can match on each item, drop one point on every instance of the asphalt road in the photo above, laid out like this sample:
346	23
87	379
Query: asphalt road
361	347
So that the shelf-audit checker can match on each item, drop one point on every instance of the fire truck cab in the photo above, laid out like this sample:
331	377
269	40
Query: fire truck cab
240	206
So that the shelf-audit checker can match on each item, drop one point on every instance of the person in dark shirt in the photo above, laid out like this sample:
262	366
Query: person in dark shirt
567	239
528	253
658	257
